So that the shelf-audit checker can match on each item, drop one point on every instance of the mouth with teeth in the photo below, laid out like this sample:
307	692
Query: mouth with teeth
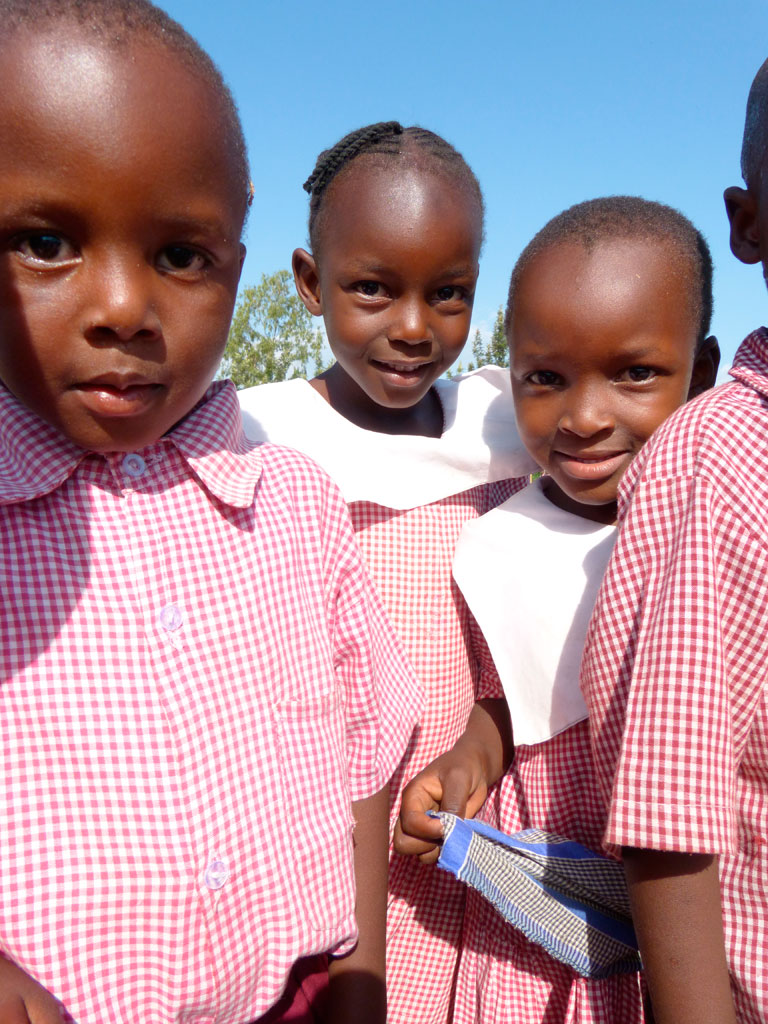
402	372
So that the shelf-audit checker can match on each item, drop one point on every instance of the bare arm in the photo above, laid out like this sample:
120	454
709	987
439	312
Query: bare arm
357	985
22	1000
678	919
457	781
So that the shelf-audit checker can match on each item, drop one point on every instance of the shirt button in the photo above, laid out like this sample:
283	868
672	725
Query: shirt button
134	465
216	874
171	617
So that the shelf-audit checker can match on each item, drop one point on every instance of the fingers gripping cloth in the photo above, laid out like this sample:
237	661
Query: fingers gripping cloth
562	896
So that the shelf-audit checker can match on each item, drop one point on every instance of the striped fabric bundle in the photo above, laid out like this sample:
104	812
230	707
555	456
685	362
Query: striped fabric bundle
562	896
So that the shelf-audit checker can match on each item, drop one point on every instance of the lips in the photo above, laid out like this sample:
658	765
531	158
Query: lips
401	370
591	466
116	394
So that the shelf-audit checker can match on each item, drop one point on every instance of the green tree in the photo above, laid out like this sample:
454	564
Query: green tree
498	349
272	336
496	352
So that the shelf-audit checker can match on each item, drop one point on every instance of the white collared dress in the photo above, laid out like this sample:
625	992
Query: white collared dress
530	573
408	498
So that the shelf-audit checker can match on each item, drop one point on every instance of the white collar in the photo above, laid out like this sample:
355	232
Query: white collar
480	443
530	573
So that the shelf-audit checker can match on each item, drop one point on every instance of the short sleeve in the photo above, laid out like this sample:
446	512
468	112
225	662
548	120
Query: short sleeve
382	697
669	711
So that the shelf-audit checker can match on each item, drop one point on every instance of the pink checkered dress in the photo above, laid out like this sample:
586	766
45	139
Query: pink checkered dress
674	672
196	681
551	785
409	554
409	551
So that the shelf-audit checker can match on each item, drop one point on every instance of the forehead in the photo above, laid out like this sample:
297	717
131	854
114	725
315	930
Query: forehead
604	280
613	293
64	89
396	201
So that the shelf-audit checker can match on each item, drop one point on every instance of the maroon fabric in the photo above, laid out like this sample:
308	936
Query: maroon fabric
304	995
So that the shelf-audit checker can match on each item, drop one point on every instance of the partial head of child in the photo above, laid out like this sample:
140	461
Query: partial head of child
607	321
747	208
395	229
123	192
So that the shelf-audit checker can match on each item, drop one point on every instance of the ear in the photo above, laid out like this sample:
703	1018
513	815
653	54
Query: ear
742	209
242	260
705	366
307	280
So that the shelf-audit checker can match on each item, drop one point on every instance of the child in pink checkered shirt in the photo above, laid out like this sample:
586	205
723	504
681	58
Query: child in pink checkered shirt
201	698
607	321
675	672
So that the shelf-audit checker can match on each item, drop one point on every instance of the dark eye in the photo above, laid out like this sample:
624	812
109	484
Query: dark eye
181	257
45	247
449	293
544	378
372	289
637	374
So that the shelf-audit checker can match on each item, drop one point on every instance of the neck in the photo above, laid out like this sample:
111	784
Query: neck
424	419
595	513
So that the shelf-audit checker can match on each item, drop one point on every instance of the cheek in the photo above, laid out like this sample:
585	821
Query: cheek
348	328
196	335
537	420
30	365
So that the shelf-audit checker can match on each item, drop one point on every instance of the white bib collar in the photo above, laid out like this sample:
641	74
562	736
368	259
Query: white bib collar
530	573
480	443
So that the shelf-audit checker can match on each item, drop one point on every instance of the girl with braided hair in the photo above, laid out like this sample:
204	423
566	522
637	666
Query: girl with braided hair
395	229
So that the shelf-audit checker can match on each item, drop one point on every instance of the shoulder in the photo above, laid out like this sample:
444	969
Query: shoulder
717	437
281	411
480	414
291	475
480	388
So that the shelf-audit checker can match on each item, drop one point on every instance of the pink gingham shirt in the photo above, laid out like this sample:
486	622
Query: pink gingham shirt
197	680
675	668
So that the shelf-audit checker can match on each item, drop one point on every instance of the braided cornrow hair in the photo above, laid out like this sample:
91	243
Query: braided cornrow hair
385	140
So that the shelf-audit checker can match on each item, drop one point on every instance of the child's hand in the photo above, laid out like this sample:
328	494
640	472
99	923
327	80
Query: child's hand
454	782
23	1000
457	781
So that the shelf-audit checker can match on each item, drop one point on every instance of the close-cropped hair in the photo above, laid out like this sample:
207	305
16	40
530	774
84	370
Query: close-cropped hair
755	139
382	143
627	217
116	23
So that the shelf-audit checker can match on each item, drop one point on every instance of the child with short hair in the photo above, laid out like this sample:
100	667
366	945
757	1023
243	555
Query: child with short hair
396	226
675	667
607	320
199	690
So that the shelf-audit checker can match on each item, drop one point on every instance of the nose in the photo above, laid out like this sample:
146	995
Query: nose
587	410
412	323
120	302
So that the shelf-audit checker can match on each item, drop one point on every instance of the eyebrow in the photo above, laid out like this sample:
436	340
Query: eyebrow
357	265
640	352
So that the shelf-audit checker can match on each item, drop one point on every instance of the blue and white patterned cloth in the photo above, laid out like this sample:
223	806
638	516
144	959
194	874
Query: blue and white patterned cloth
562	896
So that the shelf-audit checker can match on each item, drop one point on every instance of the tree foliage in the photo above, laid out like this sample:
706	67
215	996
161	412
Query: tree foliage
496	352
272	336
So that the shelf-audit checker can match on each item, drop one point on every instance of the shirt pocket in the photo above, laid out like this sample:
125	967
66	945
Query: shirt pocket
314	774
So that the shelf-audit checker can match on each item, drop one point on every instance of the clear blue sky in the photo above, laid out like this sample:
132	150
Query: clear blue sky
551	102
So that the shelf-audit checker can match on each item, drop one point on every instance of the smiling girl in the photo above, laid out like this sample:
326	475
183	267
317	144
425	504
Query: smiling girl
396	227
607	321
